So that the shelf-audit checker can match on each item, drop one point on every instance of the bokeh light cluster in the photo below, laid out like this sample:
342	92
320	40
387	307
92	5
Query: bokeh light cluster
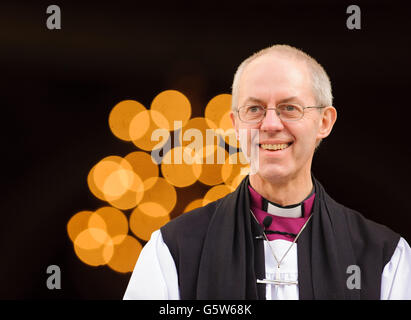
139	189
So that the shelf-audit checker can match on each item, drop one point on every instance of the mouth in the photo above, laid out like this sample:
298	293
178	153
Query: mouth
274	147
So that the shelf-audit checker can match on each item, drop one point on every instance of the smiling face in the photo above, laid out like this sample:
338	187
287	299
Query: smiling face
285	149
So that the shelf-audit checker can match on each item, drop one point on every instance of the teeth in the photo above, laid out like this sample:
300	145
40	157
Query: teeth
274	146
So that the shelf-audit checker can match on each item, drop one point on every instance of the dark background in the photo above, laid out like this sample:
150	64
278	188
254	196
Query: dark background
58	87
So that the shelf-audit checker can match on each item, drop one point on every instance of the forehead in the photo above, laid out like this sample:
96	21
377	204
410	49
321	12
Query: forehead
271	78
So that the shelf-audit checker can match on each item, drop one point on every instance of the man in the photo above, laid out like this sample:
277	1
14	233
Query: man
278	235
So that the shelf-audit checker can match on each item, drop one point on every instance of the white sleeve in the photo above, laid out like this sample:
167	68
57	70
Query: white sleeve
155	274
396	277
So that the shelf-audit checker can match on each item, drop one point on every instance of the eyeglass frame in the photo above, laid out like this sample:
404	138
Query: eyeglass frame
275	108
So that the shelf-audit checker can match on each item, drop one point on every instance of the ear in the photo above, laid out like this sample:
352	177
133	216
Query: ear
328	118
233	120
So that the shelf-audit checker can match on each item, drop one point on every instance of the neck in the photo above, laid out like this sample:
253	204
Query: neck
284	193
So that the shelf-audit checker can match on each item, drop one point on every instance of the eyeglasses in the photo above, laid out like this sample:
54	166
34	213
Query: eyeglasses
285	111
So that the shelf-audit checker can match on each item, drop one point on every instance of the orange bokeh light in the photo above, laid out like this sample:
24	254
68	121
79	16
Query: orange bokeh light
143	224
96	235
197	203
78	223
117	171
146	142
94	247
215	193
180	168
174	106
216	108
125	255
197	134
213	161
122	115
113	180
116	224
161	193
144	167
235	169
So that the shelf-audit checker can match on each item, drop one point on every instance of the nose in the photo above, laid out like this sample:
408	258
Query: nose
271	122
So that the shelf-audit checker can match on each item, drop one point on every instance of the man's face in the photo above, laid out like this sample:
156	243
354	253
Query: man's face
268	81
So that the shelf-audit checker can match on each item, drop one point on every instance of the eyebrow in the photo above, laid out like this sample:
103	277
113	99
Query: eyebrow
285	100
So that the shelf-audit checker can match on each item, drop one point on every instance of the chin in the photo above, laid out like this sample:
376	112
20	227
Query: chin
273	173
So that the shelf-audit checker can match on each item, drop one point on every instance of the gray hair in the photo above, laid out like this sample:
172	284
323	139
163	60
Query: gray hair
321	84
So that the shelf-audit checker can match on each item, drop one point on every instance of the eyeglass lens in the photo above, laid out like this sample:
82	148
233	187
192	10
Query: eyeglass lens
255	113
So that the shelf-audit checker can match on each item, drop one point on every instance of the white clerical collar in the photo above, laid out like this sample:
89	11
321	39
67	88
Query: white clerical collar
291	211
288	212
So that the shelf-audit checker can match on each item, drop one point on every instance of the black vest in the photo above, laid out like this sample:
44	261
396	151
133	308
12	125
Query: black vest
218	256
